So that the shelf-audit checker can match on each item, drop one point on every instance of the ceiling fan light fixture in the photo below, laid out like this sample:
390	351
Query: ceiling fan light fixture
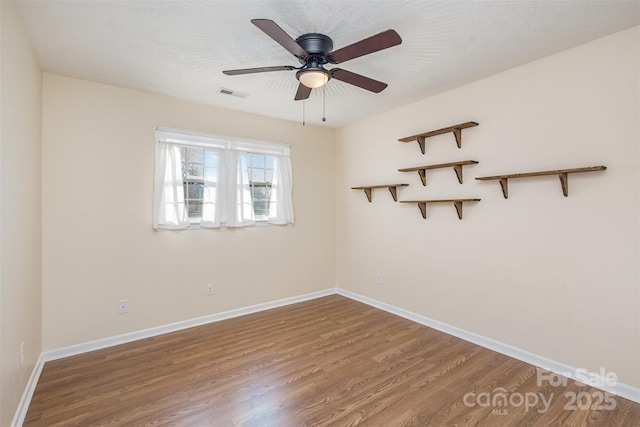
313	78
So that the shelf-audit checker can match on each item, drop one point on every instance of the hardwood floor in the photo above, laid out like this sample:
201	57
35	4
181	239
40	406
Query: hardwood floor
326	362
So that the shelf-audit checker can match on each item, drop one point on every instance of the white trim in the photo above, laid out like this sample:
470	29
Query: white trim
27	394
619	389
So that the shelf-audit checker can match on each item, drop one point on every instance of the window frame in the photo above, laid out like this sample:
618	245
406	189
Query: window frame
185	138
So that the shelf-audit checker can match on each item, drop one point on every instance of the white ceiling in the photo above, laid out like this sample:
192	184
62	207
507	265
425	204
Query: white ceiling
179	48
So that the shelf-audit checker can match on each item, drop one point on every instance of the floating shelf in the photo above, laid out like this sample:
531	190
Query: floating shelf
422	204
456	129
563	174
422	170
393	189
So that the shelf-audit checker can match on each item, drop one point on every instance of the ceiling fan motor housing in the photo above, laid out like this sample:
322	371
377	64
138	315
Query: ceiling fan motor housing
318	47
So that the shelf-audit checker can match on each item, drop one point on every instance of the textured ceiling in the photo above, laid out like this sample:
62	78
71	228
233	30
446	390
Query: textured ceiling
179	48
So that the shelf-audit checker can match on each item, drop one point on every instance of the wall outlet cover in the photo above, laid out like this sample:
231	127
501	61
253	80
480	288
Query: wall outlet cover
123	306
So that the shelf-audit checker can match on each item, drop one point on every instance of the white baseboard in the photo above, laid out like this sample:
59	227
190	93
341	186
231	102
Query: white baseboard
27	394
619	389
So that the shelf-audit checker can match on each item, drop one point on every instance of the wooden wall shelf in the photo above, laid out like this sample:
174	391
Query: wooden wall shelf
422	204
393	189
422	170
563	174
456	129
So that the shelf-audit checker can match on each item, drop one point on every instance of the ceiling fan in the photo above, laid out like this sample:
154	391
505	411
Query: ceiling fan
315	50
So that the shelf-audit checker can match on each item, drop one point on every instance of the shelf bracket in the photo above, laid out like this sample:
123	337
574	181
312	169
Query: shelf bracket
564	182
367	191
458	169
420	140
458	206
423	176
457	133
504	184
394	193
423	209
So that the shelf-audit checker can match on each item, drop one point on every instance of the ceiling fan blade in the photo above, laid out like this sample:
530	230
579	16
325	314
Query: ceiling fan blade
302	93
272	29
380	41
258	70
358	80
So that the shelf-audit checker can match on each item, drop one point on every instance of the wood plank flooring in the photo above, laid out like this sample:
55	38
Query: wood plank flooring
331	361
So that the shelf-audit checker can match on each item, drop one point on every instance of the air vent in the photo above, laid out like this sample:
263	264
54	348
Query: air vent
232	93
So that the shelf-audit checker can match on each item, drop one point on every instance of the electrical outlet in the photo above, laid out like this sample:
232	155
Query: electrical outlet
22	353
123	306
378	279
210	289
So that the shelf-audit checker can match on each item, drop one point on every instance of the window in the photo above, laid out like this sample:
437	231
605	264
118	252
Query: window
260	168
197	163
211	181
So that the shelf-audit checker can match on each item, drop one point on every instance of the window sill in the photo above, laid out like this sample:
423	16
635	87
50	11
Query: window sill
263	223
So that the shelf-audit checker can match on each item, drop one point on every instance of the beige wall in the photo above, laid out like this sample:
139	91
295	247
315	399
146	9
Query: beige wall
98	242
551	275
20	209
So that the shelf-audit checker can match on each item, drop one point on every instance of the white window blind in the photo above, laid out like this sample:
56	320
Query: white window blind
211	181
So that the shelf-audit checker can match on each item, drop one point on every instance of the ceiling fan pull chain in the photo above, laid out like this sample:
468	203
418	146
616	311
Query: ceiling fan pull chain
324	103
303	104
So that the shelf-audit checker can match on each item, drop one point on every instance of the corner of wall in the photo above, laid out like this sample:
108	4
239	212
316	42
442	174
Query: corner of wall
20	210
